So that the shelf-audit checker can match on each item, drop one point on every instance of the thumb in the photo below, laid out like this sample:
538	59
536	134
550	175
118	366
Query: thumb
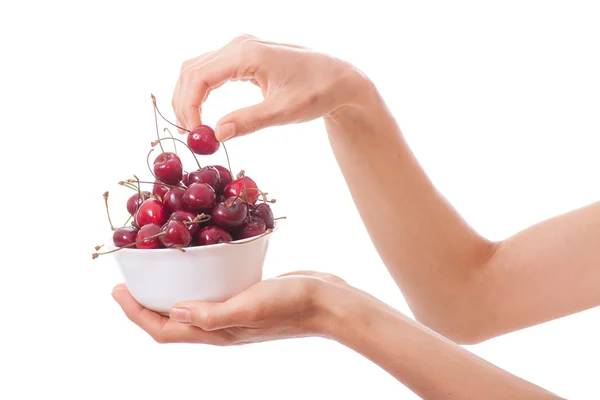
249	120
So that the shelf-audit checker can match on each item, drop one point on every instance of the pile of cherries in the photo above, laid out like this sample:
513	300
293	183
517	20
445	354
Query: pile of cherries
203	207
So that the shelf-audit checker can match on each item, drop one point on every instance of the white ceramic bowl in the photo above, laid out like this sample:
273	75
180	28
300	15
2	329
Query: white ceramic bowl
159	278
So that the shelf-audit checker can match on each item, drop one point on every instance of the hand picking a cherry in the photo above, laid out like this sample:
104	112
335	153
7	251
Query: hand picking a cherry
180	209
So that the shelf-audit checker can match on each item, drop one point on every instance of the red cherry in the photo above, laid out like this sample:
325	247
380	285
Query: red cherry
144	233
225	176
176	235
159	190
151	211
135	201
124	236
199	197
173	200
168	168
213	235
252	226
263	210
206	175
185	179
202	140
236	188
229	214
183	216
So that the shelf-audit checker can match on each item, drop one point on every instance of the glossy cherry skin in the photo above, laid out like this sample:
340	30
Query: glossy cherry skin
206	175
145	232
124	236
151	211
225	176
185	180
202	140
236	188
135	201
229	214
199	197
176	235
212	235
173	200
263	210
183	216
252	226
168	168
159	190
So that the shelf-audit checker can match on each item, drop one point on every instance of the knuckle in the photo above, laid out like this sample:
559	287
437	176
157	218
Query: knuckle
159	338
253	124
242	38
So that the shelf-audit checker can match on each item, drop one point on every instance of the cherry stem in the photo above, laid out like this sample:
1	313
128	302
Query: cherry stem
278	218
173	137
138	188
245	193
126	222
148	162
105	195
98	247
159	113
268	231
182	142
161	183
156	123
96	255
228	163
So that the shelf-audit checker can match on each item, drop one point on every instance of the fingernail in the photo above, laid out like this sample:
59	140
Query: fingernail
226	131
181	315
116	288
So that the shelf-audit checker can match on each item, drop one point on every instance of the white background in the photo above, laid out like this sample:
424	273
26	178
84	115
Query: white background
499	102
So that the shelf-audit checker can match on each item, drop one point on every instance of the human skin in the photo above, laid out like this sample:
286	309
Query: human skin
456	282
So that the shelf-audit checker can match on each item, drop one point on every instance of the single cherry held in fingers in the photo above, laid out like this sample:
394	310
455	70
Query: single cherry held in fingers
213	235
199	197
144	234
152	211
230	214
173	200
206	175
168	168
159	190
243	187
202	140
252	226
225	176
185	216
263	210
124	236
176	235
135	201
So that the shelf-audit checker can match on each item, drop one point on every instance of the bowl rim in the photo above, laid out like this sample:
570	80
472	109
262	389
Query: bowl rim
111	245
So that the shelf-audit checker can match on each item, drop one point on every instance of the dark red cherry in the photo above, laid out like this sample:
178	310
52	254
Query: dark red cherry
236	188
173	200
176	235
159	190
213	235
225	176
168	168
144	233
151	211
199	197
124	236
202	140
135	201
229	214
206	175
252	226
183	216
263	210
185	179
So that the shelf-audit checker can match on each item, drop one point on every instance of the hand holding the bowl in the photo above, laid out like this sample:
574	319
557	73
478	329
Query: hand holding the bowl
287	306
298	85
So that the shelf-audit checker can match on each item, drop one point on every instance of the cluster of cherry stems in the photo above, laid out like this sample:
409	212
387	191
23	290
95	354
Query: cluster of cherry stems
203	207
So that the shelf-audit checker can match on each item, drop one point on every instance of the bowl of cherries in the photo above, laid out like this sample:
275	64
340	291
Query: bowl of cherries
199	235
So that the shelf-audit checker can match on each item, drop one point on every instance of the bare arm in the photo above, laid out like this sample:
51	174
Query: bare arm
455	281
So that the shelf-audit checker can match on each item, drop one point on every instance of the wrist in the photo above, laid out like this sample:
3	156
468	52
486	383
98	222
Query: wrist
356	94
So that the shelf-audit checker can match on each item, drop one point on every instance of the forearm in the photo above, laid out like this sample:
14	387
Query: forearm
430	251
428	364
